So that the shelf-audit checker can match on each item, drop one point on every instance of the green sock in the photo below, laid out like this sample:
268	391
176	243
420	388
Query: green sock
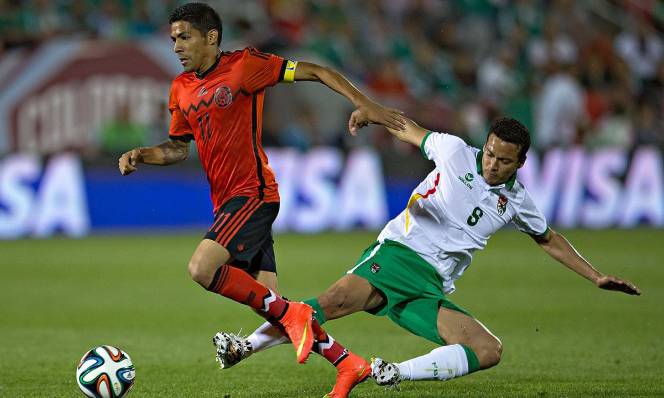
318	314
473	362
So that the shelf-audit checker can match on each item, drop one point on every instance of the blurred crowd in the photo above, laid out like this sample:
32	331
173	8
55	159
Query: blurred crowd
575	72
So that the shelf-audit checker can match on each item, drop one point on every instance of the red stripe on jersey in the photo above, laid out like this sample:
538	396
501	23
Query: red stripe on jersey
432	190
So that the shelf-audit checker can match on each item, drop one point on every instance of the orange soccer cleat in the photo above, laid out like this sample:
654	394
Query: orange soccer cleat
352	371
298	324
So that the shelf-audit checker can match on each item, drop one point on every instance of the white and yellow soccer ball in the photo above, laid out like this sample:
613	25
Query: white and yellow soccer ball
105	372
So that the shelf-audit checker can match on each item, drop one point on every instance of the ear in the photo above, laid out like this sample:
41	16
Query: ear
522	162
212	37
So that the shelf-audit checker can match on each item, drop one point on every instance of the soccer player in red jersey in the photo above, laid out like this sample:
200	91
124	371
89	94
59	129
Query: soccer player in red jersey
218	102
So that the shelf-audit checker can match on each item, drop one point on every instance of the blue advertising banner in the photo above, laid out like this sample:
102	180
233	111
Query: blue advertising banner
322	189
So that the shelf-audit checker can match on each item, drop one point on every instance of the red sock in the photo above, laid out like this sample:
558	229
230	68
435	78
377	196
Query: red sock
239	286
328	347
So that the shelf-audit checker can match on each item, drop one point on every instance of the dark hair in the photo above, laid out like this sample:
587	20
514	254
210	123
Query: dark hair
200	15
511	130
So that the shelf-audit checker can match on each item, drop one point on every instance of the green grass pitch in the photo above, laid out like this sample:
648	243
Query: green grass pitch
562	336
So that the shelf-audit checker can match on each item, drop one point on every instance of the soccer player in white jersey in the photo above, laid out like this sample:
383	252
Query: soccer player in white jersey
409	271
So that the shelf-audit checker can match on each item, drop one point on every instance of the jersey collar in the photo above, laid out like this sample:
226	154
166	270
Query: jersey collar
508	184
210	69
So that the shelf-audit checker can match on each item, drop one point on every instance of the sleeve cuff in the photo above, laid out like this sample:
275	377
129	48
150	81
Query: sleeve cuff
543	234
424	140
183	138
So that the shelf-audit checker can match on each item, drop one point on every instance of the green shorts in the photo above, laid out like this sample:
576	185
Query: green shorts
411	286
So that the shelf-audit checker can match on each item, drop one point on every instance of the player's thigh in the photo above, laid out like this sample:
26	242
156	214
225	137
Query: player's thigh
207	258
458	328
349	294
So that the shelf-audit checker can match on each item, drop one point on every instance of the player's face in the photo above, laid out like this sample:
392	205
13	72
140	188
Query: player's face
190	45
500	160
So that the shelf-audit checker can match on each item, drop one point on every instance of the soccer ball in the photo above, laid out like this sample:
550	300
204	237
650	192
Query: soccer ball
105	372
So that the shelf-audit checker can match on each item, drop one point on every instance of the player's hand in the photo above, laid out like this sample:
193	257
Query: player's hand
371	112
357	121
128	161
609	282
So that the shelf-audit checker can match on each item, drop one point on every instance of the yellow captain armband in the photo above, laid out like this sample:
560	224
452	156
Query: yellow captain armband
289	72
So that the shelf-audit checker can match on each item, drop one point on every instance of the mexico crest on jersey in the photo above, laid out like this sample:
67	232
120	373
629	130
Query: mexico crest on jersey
375	268
223	96
502	204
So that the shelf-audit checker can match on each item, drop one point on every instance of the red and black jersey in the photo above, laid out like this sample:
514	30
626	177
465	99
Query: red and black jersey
222	110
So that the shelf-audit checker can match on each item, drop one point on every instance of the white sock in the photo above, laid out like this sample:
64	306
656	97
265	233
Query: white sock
443	363
266	336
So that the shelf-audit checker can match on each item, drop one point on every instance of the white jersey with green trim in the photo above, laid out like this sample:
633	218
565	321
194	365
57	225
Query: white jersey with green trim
454	212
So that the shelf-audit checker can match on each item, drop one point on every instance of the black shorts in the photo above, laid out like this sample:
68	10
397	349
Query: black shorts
243	225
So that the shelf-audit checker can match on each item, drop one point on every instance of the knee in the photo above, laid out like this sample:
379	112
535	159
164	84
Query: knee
200	273
489	352
334	302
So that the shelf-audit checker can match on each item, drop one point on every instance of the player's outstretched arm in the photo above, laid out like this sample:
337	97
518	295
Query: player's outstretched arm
166	153
556	246
375	113
411	133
